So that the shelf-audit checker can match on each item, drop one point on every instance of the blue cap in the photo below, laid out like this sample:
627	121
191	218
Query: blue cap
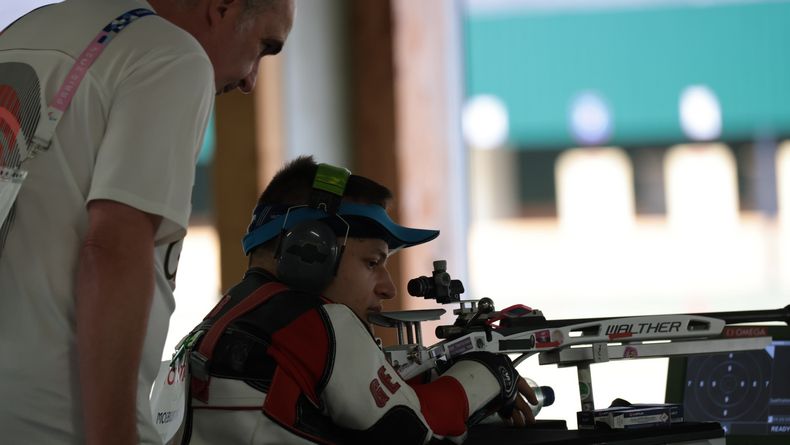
364	221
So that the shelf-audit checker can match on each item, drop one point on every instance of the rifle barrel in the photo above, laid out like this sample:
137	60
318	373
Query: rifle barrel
752	316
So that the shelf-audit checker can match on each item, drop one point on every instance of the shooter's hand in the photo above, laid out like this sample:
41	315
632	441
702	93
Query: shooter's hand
521	413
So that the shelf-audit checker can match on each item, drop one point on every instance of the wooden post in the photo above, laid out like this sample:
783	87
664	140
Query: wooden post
403	128
249	150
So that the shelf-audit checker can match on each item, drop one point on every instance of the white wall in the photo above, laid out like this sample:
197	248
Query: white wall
315	76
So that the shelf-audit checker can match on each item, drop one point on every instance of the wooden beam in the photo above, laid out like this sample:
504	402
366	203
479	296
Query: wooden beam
235	180
249	150
271	126
430	155
401	127
373	125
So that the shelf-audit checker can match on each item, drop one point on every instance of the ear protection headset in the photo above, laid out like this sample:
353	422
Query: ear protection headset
308	254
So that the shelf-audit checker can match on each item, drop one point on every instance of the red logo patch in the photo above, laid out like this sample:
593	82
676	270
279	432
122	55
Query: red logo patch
379	395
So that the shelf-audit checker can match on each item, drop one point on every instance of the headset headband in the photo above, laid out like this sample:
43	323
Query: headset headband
328	187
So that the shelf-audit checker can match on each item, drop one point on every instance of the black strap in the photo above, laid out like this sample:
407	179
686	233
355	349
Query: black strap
200	359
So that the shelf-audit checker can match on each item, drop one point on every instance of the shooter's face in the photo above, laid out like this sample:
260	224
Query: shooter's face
362	280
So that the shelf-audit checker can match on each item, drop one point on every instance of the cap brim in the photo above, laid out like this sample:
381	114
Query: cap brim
399	236
396	236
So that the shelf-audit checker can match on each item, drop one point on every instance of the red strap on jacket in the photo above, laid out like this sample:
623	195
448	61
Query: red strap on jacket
210	339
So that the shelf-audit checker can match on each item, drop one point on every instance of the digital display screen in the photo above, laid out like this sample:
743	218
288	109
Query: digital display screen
747	392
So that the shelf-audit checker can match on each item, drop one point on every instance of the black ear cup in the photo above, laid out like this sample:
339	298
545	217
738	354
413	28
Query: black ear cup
308	256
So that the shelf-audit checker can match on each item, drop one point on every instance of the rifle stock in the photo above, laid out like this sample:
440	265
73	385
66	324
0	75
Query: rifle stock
531	333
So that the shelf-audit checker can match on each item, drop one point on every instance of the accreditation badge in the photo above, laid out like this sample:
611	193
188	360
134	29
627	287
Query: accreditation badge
10	183
169	399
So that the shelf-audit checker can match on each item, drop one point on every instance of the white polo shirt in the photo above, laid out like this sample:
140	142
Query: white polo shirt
130	135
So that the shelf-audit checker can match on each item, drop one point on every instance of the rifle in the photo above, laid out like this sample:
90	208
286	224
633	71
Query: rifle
519	329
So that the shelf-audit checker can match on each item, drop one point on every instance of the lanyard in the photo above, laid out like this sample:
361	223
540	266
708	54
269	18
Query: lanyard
12	176
46	127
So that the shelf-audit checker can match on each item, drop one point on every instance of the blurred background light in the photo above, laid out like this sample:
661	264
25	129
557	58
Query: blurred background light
485	122
701	183
591	119
594	194
700	113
